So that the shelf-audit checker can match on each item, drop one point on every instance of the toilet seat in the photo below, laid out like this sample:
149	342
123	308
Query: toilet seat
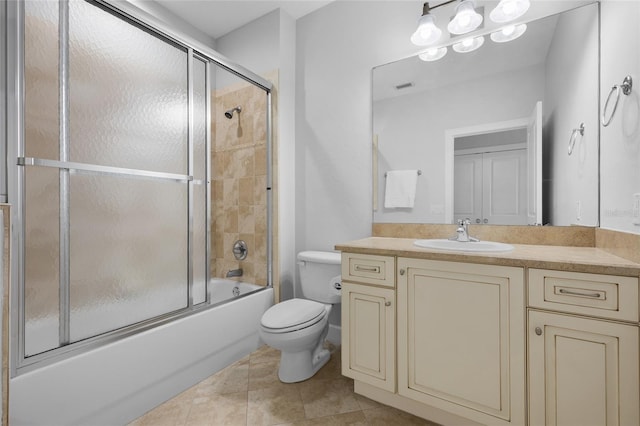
292	315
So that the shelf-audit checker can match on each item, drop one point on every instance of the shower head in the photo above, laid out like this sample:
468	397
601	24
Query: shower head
229	114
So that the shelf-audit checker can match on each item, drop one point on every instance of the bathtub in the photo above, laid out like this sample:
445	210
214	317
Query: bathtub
120	381
222	290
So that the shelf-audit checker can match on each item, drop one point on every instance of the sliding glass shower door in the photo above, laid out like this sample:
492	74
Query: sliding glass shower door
113	174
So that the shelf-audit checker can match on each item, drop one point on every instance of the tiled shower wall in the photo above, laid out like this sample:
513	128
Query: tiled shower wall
239	175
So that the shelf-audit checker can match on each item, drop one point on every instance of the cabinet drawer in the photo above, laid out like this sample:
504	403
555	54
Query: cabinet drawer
369	269
605	296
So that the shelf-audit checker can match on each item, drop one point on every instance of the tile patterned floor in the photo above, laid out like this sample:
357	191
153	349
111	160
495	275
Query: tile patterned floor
248	392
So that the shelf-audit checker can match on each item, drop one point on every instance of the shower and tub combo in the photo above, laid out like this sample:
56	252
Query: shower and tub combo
119	283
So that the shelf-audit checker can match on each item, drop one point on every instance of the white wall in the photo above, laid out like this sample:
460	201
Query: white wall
620	142
571	182
405	142
255	46
337	46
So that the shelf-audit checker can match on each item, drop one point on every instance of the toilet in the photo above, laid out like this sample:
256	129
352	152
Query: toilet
298	327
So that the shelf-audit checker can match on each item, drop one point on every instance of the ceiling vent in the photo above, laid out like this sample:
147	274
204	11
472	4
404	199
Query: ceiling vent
404	86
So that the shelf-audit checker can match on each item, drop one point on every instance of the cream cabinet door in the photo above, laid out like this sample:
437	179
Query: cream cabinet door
461	338
368	334
582	371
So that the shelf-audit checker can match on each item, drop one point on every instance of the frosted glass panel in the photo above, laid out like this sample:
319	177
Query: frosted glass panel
199	120
41	79
42	248
128	251
128	93
199	254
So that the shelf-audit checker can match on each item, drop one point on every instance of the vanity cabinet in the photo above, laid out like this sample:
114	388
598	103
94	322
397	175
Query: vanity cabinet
461	343
490	340
583	370
368	320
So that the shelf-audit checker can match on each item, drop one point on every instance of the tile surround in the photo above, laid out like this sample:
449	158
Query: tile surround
619	243
248	392
239	179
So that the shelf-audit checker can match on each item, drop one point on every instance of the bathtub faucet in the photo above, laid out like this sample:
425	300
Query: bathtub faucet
234	273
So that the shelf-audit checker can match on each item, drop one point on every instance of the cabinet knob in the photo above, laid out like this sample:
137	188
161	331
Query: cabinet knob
402	271
538	331
387	303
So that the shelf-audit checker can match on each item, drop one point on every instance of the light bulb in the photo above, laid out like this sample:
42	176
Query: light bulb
466	19
433	54
427	33
508	33
508	10
468	45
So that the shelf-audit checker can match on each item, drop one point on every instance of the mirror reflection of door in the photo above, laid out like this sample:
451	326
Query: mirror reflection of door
491	186
497	176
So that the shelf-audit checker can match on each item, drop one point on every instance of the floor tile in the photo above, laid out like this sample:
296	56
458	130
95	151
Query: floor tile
328	397
274	405
248	392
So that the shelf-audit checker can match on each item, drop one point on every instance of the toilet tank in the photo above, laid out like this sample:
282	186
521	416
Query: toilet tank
319	274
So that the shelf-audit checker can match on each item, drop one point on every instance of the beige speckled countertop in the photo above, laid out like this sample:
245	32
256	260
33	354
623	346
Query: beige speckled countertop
575	259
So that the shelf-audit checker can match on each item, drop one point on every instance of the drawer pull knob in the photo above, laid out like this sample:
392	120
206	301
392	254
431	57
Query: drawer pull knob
387	303
578	293
402	271
538	331
362	268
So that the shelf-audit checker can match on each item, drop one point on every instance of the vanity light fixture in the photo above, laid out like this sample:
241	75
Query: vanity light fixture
427	33
468	44
433	54
508	33
508	10
466	18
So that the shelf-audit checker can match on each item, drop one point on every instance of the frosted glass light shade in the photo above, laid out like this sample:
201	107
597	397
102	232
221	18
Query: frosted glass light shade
508	10
508	33
433	54
466	19
427	33
469	44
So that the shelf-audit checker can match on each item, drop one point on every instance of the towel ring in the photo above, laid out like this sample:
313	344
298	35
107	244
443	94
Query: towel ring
625	88
574	136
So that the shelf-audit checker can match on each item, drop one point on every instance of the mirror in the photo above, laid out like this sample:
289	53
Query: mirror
489	130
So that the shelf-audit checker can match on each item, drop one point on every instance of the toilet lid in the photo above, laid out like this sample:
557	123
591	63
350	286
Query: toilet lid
292	313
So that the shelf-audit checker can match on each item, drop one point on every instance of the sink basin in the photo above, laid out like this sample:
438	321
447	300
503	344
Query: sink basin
475	246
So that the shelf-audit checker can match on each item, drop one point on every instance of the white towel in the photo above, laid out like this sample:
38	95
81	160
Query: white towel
400	191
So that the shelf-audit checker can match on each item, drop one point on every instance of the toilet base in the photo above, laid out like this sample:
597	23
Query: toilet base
299	366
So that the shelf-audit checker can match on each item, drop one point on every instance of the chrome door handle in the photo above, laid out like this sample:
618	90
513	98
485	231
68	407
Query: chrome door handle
578	293
367	268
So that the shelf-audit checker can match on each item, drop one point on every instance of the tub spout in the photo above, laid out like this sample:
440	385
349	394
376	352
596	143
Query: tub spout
234	273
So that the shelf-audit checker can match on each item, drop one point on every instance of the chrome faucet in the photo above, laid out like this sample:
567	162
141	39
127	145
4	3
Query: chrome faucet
234	273
462	233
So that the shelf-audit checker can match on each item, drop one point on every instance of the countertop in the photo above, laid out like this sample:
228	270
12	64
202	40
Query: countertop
561	258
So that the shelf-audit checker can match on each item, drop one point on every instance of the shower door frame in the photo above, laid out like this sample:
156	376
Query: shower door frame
15	129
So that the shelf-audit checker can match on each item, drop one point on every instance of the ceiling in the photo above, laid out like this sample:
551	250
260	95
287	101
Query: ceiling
219	17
